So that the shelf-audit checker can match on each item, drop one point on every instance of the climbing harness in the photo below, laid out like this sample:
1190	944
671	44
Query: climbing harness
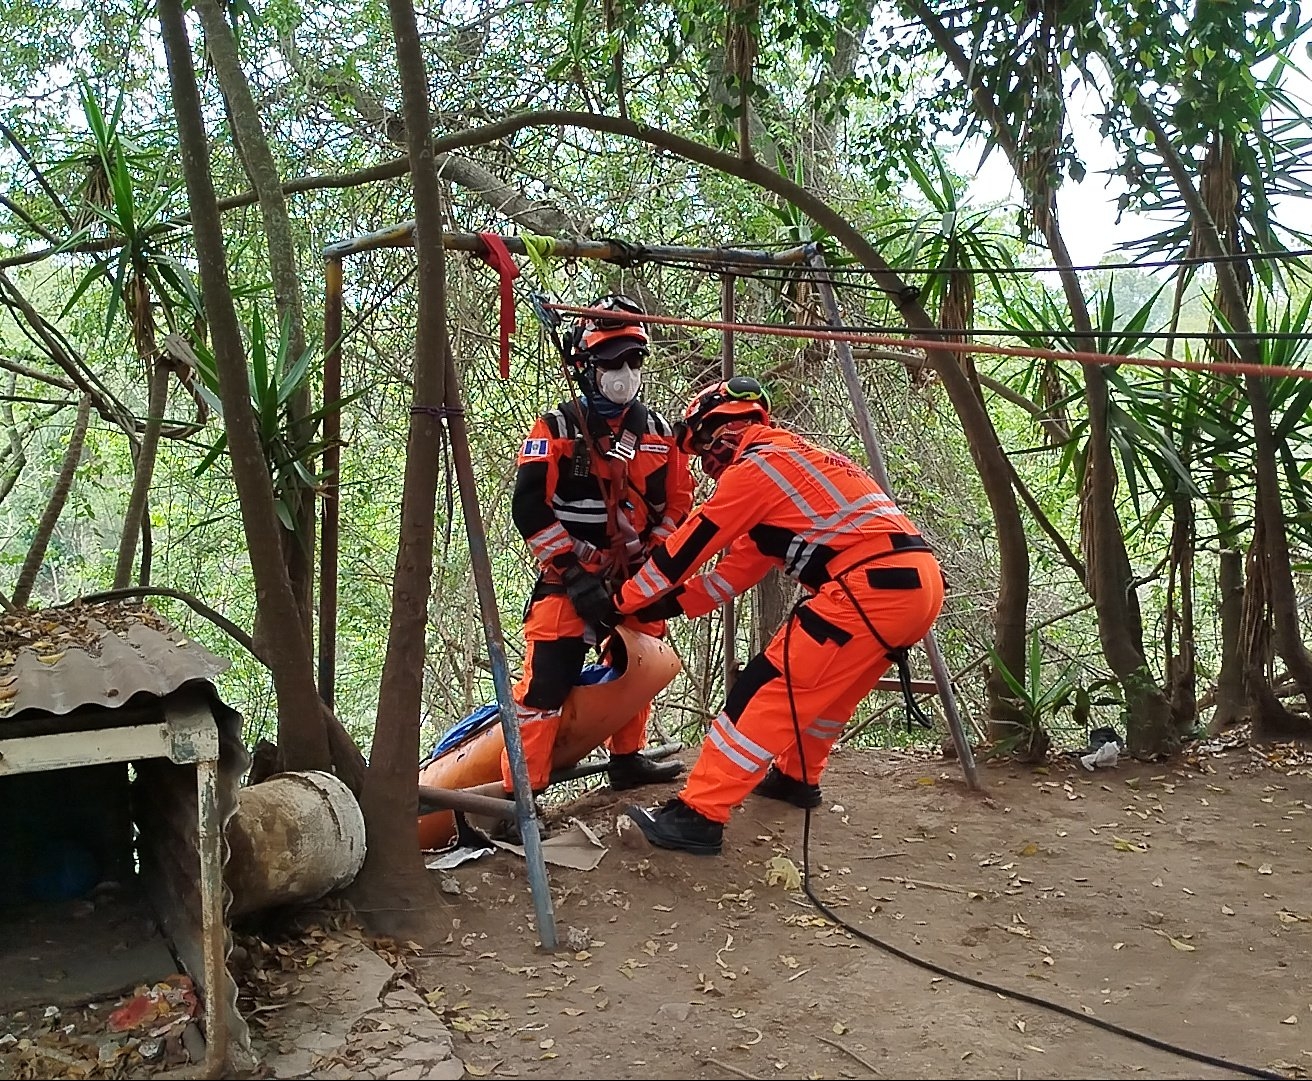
899	655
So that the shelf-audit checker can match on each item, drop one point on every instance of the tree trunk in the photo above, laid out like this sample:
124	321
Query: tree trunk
36	551
302	738
137	303
1111	585
1270	518
1181	666
157	399
1282	598
1230	702
258	160
393	889
1270	718
771	600
1109	579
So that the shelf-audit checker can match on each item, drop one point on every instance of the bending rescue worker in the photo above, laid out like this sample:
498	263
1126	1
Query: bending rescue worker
600	480
874	589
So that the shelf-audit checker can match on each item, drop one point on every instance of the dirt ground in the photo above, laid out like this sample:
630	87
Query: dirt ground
1171	899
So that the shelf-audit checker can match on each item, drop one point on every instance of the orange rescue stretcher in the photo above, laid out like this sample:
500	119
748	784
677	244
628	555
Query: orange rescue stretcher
644	666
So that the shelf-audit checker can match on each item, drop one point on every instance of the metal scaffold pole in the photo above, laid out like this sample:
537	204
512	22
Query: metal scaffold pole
874	451
726	372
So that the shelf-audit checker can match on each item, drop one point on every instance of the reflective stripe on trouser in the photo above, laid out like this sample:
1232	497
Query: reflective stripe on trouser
833	662
555	654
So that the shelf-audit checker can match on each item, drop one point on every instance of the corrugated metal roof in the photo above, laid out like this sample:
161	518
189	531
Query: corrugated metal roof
57	660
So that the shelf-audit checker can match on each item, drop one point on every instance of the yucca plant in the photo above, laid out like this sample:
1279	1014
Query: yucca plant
272	382
119	205
1034	703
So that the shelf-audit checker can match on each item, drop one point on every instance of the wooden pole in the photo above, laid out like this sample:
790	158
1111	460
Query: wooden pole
330	510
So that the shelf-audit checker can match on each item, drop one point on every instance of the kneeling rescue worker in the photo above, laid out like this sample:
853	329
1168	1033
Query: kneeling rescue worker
874	589
599	481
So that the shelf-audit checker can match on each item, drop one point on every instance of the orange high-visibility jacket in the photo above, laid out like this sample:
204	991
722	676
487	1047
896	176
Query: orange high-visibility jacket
560	499
782	502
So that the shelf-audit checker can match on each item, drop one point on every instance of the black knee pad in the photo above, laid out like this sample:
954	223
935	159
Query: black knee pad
758	672
556	665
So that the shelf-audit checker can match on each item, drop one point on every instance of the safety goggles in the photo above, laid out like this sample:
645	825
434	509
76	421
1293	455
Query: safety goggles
631	359
688	439
613	302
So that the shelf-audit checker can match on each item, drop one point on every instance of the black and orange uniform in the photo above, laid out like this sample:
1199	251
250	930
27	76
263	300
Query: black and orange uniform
875	587
577	506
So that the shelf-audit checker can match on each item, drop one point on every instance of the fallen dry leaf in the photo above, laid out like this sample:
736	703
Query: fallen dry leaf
1226	910
839	1028
1183	946
1292	1019
1265	869
781	871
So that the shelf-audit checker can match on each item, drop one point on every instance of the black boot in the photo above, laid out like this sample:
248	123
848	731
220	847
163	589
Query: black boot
777	785
678	826
635	770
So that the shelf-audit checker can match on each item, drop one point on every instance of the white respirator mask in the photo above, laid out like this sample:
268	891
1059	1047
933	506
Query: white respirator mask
620	386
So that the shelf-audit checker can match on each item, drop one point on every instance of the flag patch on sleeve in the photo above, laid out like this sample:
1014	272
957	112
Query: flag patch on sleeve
534	448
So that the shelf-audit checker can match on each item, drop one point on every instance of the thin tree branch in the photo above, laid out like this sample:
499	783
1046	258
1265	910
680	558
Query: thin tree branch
194	603
34	373
28	220
23	153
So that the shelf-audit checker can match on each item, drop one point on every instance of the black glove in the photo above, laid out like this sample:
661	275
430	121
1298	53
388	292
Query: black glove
666	608
590	597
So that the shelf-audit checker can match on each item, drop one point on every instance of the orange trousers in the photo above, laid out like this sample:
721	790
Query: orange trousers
833	662
557	649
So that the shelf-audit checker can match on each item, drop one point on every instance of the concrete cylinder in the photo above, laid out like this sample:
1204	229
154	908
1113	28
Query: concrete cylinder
293	838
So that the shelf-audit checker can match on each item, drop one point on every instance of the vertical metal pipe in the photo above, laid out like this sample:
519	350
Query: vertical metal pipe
870	438
727	282
329	529
526	814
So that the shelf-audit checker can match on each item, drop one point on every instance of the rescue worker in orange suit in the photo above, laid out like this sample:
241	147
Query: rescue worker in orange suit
874	589
600	480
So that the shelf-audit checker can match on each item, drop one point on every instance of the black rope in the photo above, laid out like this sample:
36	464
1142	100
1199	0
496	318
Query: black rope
1047	268
441	412
623	253
961	977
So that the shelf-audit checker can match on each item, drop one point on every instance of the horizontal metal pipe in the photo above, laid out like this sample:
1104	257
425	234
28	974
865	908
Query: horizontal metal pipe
483	798
573	773
460	799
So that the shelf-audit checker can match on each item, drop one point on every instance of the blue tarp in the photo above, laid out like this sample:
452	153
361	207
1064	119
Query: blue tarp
486	716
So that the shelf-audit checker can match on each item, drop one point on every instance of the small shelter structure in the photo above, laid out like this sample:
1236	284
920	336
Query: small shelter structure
119	767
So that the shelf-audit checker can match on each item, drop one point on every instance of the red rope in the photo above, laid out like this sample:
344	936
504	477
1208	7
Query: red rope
821	334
